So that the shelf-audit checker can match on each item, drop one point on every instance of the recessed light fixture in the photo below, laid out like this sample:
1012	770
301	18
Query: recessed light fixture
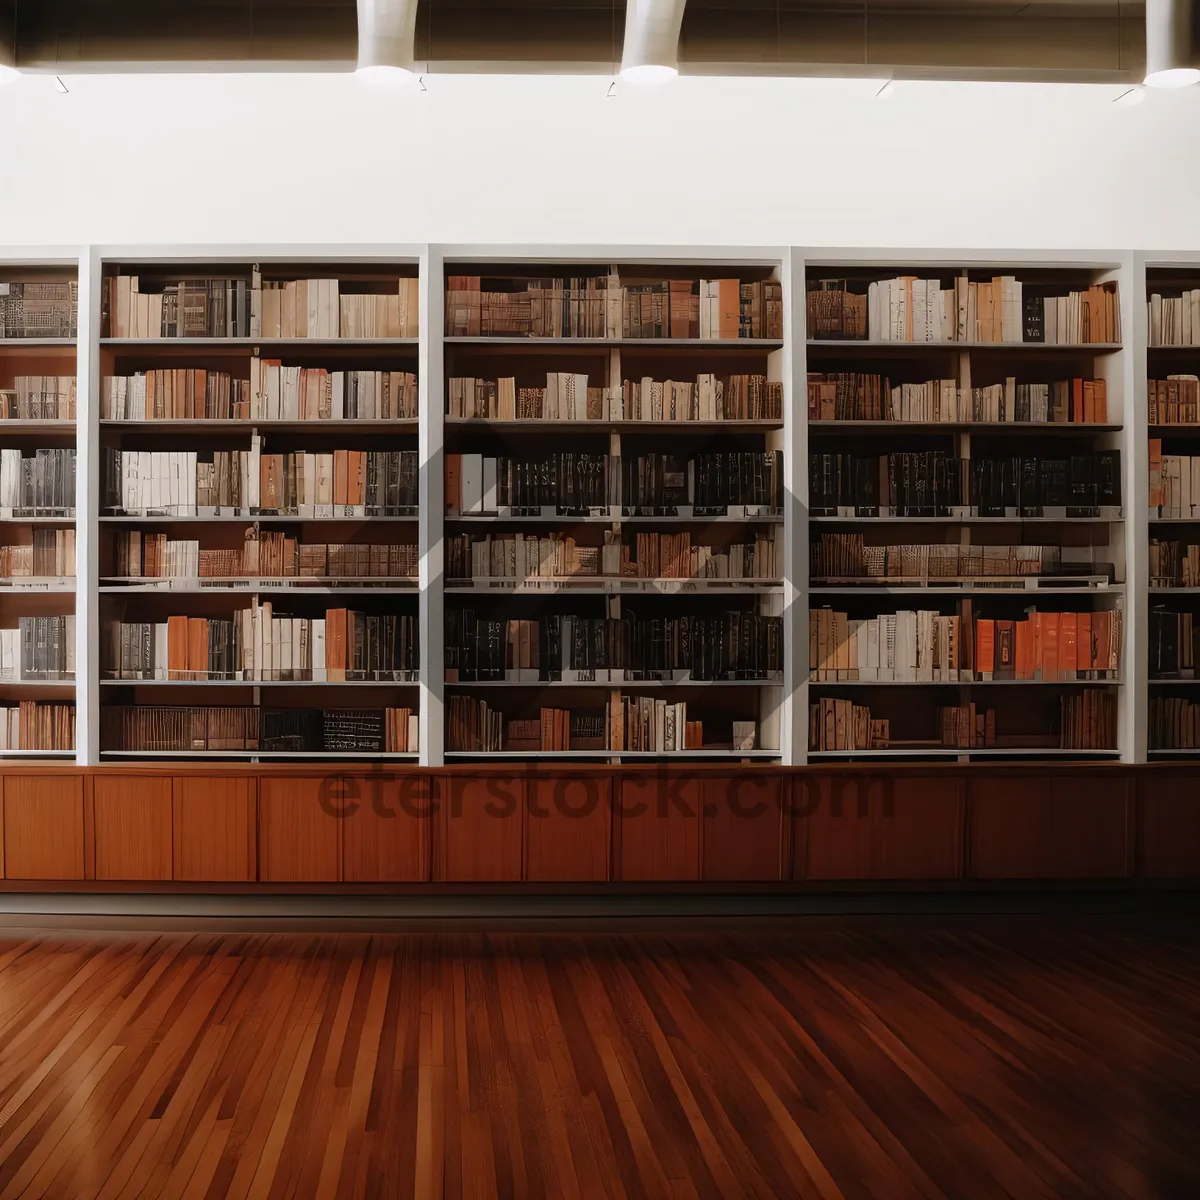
1130	97
651	51
387	32
1171	56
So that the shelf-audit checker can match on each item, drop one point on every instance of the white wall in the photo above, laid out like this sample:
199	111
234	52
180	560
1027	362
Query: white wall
509	159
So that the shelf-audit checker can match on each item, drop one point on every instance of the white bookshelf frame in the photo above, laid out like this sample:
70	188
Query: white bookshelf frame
792	263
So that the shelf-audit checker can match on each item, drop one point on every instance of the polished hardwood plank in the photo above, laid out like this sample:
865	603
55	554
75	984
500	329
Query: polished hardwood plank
981	1058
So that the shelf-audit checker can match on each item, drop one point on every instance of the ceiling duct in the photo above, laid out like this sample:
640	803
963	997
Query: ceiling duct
1172	59
651	48
387	34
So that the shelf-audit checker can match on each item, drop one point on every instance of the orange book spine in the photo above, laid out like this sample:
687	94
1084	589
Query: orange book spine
177	647
985	647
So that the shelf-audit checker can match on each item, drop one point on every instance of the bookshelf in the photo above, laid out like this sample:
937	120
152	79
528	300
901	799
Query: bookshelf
257	507
969	454
39	331
1097	562
1172	425
594	589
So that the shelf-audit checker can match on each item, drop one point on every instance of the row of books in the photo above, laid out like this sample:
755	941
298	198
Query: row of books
574	648
43	554
910	309
1174	483
1174	564
255	644
1087	721
191	308
273	392
39	309
41	482
254	307
1174	723
600	306
167	727
925	646
844	725
39	398
743	483
39	648
1174	320
837	556
1174	400
643	556
629	723
933	483
189	483
264	555
37	725
567	397
1174	639
318	308
845	396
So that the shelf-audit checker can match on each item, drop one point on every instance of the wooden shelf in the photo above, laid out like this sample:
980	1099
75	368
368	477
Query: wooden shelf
611	685
538	343
857	344
261	683
248	344
401	426
606	426
974	683
1006	428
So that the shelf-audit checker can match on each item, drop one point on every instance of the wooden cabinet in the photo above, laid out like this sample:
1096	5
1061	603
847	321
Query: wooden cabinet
1051	827
1169	826
568	828
479	829
214	828
386	831
850	826
743	827
43	836
299	828
133	834
659	827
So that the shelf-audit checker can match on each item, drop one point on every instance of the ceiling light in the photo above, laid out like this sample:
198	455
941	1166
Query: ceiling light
651	52
387	33
886	92
1171	57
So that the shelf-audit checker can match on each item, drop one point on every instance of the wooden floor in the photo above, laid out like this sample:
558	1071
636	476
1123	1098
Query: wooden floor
1022	1059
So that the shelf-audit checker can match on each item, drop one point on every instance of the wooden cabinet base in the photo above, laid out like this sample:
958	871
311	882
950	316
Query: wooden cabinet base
358	830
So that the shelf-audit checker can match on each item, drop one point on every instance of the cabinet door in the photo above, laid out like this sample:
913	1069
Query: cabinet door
386	830
1063	827
568	828
43	827
743	826
659	821
479	829
877	827
214	828
1169	810
298	828
133	827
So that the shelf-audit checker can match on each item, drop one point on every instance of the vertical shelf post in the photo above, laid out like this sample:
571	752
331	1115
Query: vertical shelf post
87	500
794	741
432	391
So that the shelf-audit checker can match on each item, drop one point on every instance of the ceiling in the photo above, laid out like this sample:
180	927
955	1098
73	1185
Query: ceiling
1037	39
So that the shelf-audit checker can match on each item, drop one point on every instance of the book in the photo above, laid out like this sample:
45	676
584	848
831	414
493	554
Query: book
39	308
